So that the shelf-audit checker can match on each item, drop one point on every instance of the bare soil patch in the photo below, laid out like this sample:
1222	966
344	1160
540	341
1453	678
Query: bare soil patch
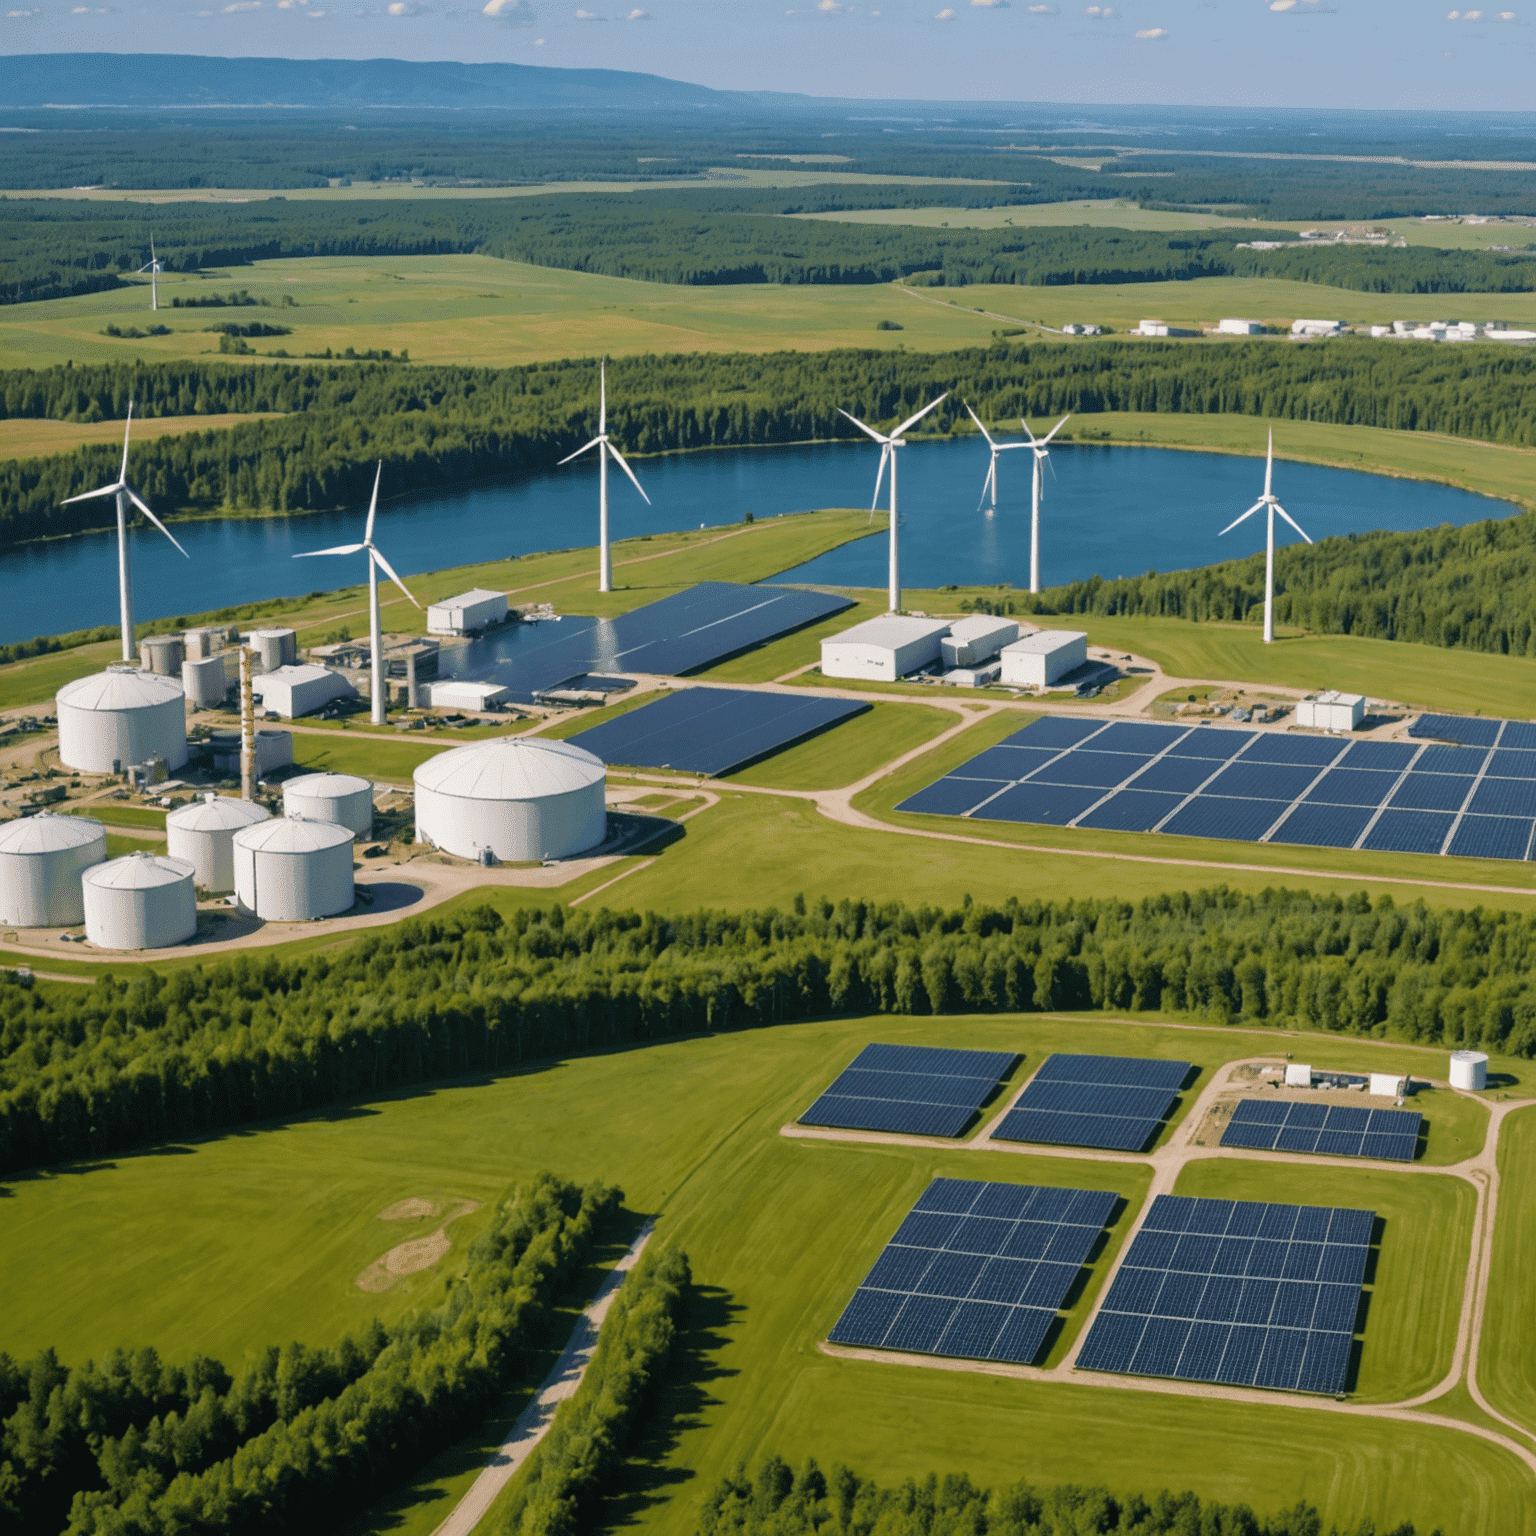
407	1210
416	1253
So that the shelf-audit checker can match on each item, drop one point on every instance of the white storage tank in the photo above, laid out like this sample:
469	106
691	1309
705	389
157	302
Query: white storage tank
293	871
275	648
121	716
141	901
202	643
202	834
203	682
517	798
161	654
1469	1070
340	797
41	861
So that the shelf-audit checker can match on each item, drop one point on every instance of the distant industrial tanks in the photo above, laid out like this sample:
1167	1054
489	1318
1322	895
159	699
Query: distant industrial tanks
202	834
121	716
512	798
1469	1070
41	861
141	901
342	798
288	870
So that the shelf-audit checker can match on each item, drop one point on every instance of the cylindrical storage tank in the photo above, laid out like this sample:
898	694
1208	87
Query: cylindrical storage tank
41	861
202	834
340	797
292	871
275	647
202	643
520	797
141	901
1469	1069
121	716
161	654
203	682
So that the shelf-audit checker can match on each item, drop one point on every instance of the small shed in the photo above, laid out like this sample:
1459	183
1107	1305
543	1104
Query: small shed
1297	1076
466	613
1332	711
457	694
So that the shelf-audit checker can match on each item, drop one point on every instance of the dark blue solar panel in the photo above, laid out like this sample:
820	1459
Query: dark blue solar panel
1504	797
1131	810
1133	736
1460	728
1051	805
1512	765
911	1090
1324	826
1302	751
857	1084
1022	1335
1352	786
1211	743
1519	735
1177	775
1087	766
1111	1342
1432	792
1379	756
1409	831
950	797
1112	1102
1133	1071
1098	1099
937	1061
1492	837
1441	759
1056	731
868	1318
1262	781
1110	1132
839	1112
1006	763
1333	1129
1244	821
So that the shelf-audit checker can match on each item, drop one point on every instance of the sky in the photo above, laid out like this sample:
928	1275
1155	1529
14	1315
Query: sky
1397	54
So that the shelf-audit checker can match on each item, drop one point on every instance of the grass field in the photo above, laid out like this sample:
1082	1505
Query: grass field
846	752
1507	1370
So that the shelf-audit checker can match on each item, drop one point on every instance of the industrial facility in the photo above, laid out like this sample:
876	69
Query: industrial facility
1331	711
883	649
121	717
468	613
290	691
202	834
342	798
292	871
140	901
41	861
1043	658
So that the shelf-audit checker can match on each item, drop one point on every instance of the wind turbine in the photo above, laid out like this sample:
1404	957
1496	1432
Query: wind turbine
376	563
124	494
889	443
1042	453
604	448
154	267
990	483
1270	503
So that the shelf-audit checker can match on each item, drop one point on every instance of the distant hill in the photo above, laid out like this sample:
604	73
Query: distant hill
191	80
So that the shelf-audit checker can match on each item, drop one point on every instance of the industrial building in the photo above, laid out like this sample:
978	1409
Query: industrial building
41	861
887	648
1162	328
467	613
977	639
202	834
342	798
292	691
140	901
1331	711
292	871
1469	1071
457	694
272	750
1317	327
514	799
1387	1085
120	717
1240	327
1043	658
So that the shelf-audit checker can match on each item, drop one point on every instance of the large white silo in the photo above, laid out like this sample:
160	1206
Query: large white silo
41	861
340	797
121	716
203	834
141	901
288	870
521	798
1469	1070
204	682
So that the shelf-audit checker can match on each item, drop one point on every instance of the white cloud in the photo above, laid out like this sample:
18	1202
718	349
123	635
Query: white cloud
830	6
1153	34
588	16
36	10
1044	10
508	9
990	5
946	14
1100	12
637	15
242	5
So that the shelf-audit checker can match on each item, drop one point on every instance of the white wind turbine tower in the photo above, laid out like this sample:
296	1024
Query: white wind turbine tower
604	448
376	563
990	483
889	443
124	494
1268	502
154	267
1042	453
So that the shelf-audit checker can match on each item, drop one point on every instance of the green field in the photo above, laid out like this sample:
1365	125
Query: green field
1507	1369
847	752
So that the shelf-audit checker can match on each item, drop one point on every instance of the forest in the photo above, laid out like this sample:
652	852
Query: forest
777	1501
85	1071
302	1437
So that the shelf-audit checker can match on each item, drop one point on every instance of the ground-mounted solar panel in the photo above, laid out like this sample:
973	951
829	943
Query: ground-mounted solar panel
1100	770
1144	739
1379	756
1178	775
1131	810
1212	742
951	796
1294	751
1458	728
1336	1130
1493	837
1114	1103
1236	1292
1244	821
1051	805
1248	780
1409	831
1503	797
1508	764
976	1271
1432	791
1352	786
1519	735
912	1090
1438	758
1323	826
1007	764
1057	732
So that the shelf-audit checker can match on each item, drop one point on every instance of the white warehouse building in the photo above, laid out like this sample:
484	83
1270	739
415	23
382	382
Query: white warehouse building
342	798
887	648
458	694
121	716
466	613
140	901
512	798
976	639
1043	658
202	834
41	861
1233	327
300	690
1332	711
293	871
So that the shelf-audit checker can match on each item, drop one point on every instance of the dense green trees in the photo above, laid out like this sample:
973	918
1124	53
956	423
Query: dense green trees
89	1070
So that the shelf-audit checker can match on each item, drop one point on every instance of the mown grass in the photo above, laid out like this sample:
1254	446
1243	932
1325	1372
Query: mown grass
1506	1369
848	751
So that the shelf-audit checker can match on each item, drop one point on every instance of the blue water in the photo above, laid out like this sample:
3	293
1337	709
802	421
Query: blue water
1114	511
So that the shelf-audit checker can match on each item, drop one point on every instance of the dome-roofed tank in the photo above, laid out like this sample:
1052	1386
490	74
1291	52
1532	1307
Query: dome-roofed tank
41	861
340	797
203	834
140	901
288	870
521	798
121	716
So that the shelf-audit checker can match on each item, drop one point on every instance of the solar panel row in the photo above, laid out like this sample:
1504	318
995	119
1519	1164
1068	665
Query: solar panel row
911	1090
1335	1129
1116	1103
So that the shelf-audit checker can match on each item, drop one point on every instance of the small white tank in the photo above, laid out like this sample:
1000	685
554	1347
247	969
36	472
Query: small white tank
292	871
41	861
340	797
161	654
202	643
1469	1070
203	682
275	647
121	716
202	834
141	901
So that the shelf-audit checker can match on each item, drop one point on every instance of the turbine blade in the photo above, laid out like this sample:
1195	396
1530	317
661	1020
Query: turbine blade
1057	428
988	481
977	419
618	458
1027	432
156	521
602	397
373	505
885	453
586	447
879	437
389	571
1292	521
104	490
339	549
1256	507
912	421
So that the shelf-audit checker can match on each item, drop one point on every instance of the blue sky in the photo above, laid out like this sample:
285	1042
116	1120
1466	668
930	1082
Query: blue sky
1401	54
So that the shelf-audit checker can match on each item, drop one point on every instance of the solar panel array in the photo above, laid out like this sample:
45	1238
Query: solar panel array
1114	1102
1237	1292
1338	1130
977	1271
1475	800
713	730
916	1090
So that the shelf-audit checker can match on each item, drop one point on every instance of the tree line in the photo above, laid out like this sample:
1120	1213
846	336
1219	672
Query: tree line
778	1501
302	1437
87	1071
